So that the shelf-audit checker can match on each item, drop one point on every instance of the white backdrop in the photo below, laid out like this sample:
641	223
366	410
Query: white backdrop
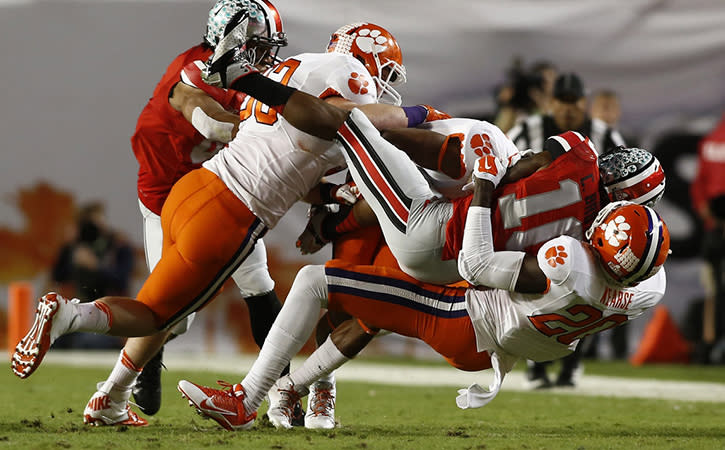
76	74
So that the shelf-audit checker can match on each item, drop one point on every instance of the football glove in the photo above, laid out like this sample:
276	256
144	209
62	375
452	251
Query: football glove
487	167
312	239
344	194
228	63
434	114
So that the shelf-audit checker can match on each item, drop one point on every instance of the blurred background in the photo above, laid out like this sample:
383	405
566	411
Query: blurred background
76	74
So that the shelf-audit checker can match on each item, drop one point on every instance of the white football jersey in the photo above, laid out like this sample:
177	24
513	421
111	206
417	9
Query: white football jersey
580	301
478	137
270	164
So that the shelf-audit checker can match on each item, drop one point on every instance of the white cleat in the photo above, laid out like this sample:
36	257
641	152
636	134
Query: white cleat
321	406
53	318
101	410
283	397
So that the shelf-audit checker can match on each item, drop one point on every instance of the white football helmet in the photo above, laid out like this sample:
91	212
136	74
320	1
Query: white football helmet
265	33
632	174
379	52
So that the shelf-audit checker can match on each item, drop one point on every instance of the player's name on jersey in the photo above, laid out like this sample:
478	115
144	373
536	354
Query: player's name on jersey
614	298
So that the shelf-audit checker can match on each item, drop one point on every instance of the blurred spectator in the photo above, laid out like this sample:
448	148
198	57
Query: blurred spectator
605	107
95	262
525	92
708	199
568	112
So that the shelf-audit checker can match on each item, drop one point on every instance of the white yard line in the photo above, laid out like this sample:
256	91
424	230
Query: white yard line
362	371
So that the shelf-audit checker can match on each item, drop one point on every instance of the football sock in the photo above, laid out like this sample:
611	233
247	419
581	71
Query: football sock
122	378
288	334
320	364
263	309
92	317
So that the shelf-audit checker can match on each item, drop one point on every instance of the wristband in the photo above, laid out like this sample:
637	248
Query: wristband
415	114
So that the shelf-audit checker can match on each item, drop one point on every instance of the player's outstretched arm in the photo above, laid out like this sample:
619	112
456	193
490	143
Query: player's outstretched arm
478	263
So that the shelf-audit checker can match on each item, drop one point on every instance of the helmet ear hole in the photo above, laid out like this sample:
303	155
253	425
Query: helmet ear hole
600	242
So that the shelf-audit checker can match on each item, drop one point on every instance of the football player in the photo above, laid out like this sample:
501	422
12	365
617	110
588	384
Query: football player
180	128
214	215
357	149
543	204
539	307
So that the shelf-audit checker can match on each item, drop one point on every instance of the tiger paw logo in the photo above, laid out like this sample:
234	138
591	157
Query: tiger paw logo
358	84
481	143
615	231
556	256
371	41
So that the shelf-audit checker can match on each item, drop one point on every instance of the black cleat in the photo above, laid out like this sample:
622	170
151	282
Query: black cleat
565	381
536	377
298	415
147	390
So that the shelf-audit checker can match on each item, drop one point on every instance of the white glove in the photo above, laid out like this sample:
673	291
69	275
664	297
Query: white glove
487	167
346	194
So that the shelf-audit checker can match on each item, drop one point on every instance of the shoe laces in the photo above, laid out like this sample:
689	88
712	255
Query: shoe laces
231	389
289	399
323	401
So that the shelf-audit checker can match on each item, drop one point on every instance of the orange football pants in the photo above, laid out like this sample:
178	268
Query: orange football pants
208	232
389	299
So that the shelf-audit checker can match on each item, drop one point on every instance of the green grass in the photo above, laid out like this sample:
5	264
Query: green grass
45	411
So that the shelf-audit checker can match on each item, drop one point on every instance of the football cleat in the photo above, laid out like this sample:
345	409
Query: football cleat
147	390
283	397
298	415
569	378
53	318
226	406
101	410
321	406
536	377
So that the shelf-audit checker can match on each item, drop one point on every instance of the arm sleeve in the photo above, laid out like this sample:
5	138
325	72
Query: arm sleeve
478	263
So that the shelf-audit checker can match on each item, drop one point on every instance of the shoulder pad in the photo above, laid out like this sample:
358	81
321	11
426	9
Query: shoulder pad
555	258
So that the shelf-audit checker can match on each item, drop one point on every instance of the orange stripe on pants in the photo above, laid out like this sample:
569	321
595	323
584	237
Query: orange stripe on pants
205	226
452	337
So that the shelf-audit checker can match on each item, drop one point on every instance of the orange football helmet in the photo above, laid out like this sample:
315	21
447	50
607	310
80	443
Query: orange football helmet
631	240
379	52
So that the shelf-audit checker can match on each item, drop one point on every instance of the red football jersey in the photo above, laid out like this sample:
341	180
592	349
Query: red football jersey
710	182
562	198
165	144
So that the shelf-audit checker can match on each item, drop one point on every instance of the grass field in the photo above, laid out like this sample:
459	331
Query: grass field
45	412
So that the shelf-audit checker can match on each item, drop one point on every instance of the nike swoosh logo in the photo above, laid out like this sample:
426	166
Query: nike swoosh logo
486	166
208	404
